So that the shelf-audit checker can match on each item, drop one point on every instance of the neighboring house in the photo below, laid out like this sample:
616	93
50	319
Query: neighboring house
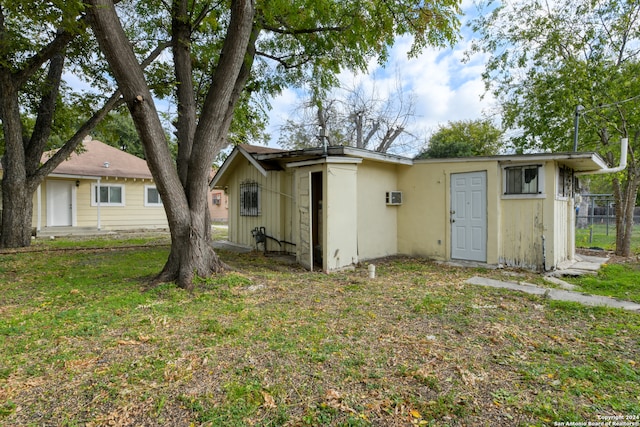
338	207
101	188
218	203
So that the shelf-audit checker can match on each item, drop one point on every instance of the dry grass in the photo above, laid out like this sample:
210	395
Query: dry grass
85	344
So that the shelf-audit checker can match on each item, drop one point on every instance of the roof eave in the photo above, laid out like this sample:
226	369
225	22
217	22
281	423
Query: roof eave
237	150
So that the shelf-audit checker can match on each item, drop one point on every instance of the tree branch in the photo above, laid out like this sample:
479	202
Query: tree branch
282	61
114	101
46	112
296	32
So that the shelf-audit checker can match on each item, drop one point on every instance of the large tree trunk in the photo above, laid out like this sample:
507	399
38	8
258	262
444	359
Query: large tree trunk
184	193
17	213
16	216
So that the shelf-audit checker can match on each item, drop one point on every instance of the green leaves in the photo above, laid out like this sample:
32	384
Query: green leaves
547	59
463	139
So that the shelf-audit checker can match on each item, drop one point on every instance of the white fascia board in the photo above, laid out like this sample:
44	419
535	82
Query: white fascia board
71	176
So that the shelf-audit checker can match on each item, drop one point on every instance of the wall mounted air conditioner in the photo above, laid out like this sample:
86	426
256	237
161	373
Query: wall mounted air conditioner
394	198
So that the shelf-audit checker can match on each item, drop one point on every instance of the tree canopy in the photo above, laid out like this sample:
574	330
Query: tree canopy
549	58
463	139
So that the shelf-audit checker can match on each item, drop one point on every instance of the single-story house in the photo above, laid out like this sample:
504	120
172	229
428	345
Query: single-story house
218	203
337	206
100	188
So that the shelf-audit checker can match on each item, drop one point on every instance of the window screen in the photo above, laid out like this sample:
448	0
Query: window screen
152	196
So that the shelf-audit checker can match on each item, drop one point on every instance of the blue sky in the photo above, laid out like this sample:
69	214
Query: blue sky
445	88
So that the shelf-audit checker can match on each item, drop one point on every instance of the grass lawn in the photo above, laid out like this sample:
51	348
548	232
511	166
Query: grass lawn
601	236
85	342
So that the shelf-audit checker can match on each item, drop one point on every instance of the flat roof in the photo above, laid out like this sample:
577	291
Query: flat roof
580	162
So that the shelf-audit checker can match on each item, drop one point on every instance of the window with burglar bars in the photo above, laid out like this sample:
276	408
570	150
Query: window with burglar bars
249	199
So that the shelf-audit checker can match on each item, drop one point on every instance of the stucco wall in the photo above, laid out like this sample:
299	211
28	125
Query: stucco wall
423	219
377	222
219	212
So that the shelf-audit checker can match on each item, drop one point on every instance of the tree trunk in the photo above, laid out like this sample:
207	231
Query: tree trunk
16	215
185	196
17	212
625	197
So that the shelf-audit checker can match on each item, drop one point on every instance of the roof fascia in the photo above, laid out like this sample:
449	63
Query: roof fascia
327	160
595	161
337	151
374	155
229	160
577	161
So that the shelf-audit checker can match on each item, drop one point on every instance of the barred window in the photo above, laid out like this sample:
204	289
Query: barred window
249	199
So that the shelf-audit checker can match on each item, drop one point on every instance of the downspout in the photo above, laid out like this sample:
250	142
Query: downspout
624	143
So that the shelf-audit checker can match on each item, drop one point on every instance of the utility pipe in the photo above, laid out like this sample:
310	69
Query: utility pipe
576	121
624	143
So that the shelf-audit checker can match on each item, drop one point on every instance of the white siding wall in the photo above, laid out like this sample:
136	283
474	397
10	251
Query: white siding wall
133	215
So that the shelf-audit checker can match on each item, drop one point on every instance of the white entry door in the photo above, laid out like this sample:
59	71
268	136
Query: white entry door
59	203
468	216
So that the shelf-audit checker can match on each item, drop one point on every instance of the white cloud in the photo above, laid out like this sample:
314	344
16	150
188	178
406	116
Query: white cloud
445	87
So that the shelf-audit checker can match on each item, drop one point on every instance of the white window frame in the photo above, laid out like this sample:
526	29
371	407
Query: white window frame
541	182
93	195
147	203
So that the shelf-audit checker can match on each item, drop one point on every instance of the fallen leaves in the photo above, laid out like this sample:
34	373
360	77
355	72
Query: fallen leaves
269	401
333	399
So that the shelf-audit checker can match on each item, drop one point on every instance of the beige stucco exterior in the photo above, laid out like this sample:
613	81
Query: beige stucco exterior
332	206
377	221
424	226
526	231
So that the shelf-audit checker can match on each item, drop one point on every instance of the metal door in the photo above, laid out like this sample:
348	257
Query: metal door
468	216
